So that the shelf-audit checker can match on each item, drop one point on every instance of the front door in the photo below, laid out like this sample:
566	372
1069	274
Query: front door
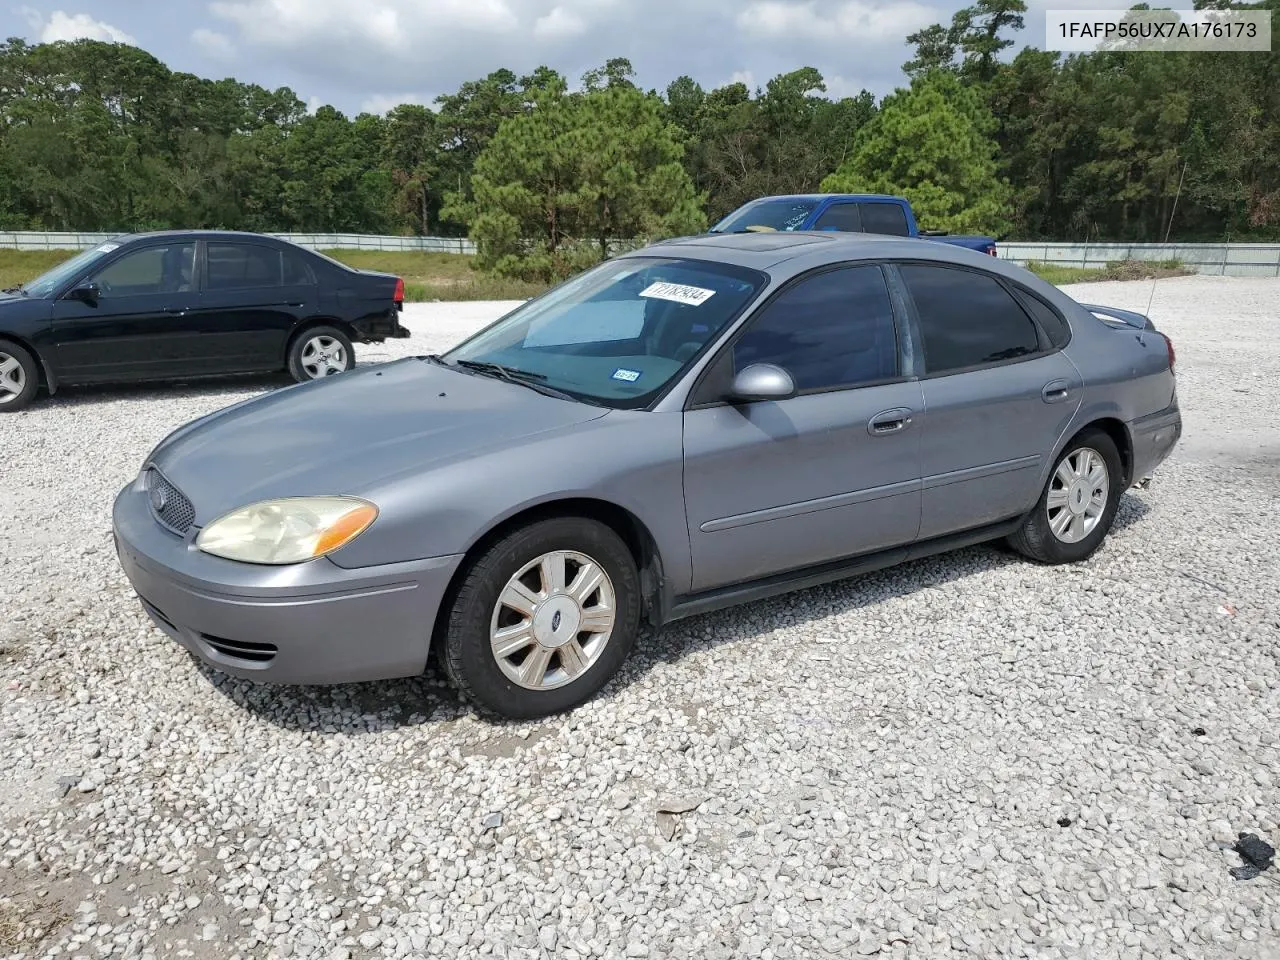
830	473
998	395
139	326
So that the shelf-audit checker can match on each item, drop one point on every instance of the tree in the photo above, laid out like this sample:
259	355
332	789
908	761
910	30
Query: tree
931	143
975	35
600	165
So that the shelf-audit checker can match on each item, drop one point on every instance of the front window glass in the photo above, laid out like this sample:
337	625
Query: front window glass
767	215
620	332
50	280
162	269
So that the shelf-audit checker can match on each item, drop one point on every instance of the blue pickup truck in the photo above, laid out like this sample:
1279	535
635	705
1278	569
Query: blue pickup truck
850	212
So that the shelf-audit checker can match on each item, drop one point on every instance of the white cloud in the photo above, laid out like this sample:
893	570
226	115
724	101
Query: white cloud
216	45
393	26
839	87
849	20
73	26
559	24
380	103
745	77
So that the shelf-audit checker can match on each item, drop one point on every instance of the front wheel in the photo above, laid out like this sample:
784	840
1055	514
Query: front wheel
543	619
320	352
19	377
1078	504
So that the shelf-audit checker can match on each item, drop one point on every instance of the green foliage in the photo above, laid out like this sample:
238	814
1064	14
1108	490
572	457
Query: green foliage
931	144
1103	146
600	165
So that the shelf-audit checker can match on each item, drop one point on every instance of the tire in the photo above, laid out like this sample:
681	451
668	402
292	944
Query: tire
562	664
1062	533
19	377
319	352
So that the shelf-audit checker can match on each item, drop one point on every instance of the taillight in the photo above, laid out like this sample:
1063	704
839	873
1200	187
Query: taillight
1173	356
399	294
991	251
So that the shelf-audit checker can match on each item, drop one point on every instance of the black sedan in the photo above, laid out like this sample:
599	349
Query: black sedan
158	306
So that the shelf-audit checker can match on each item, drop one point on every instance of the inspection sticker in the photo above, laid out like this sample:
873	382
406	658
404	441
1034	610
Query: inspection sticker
629	376
678	293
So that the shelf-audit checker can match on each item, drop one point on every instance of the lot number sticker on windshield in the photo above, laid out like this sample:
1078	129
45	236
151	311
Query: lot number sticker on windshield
628	376
108	247
678	293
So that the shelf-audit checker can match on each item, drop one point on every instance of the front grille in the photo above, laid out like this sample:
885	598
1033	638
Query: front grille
169	505
242	649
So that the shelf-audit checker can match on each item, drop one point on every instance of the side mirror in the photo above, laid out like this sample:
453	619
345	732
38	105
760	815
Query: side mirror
87	292
761	381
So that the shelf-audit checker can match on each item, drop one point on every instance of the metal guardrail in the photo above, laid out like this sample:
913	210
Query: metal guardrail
36	240
1215	259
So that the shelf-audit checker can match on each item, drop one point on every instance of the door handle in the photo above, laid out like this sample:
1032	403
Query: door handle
176	311
889	421
1056	391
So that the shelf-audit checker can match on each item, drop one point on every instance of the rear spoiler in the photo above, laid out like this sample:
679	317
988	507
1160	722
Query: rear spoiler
1125	317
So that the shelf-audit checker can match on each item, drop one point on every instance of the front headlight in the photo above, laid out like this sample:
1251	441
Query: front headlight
291	530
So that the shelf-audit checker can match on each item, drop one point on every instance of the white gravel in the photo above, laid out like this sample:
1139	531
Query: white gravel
969	754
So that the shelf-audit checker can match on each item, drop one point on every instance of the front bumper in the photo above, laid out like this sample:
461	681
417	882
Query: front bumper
308	623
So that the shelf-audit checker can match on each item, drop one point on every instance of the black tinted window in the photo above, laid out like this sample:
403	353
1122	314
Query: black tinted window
166	269
296	269
841	216
884	218
1048	318
240	266
967	319
832	330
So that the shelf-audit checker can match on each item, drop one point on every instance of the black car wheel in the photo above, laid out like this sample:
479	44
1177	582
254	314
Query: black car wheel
1078	504
19	376
320	352
543	619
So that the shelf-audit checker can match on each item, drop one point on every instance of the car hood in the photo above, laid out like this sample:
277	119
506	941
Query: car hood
348	434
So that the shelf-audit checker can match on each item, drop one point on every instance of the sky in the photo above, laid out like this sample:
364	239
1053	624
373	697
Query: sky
373	54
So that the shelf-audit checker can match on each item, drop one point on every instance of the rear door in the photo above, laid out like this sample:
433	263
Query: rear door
998	395
253	295
140	326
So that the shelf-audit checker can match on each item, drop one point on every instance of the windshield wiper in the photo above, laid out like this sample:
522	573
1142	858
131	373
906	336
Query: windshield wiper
21	290
525	378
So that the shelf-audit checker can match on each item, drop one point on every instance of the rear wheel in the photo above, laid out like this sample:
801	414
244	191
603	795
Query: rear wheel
543	619
1078	504
19	376
320	352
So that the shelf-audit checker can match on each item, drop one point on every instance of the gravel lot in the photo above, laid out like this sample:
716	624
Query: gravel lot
969	754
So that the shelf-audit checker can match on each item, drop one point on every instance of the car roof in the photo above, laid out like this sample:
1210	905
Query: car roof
826	196
195	234
786	254
767	250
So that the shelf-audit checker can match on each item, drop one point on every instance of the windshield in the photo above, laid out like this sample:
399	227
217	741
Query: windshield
50	280
767	215
620	332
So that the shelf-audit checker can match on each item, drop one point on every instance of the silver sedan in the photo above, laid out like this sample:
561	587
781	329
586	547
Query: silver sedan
698	424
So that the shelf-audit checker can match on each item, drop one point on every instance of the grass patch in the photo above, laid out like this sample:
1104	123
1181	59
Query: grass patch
427	276
24	925
1115	270
19	266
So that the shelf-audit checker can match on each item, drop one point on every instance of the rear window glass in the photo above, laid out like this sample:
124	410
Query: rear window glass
1049	319
885	218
